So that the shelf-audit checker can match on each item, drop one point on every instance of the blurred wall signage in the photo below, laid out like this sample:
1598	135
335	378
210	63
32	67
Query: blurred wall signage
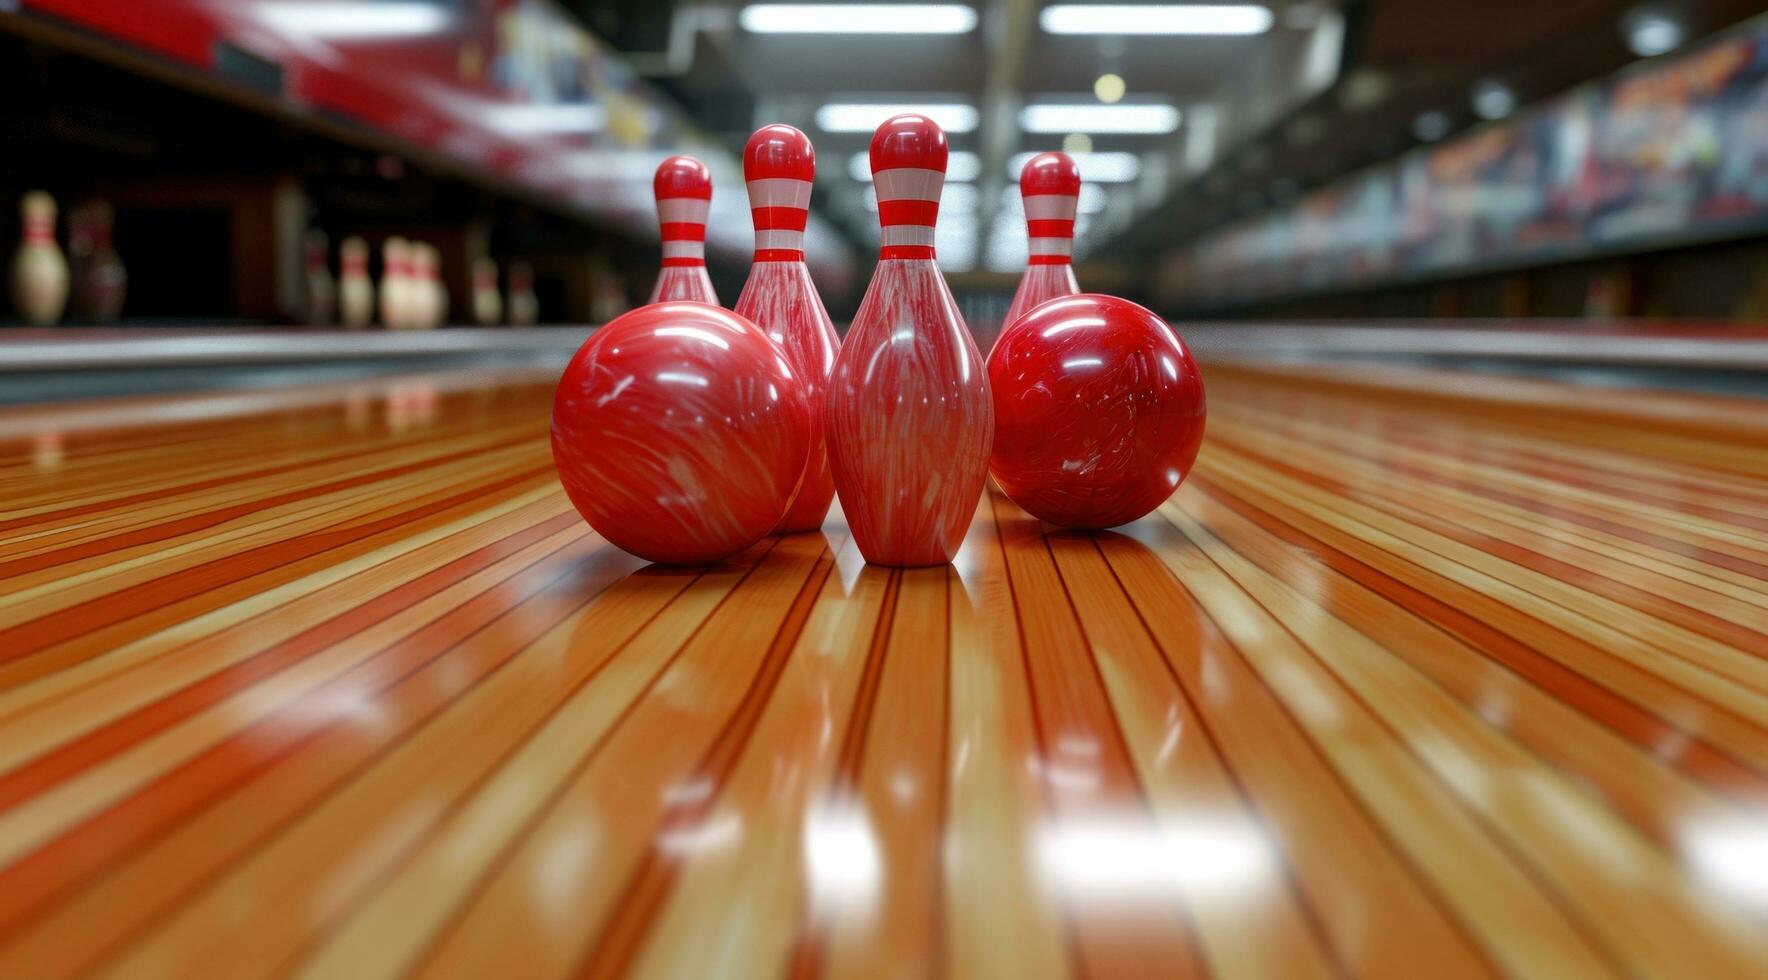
513	88
1667	153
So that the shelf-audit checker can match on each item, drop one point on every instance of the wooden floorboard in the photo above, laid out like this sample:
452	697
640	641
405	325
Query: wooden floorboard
1419	674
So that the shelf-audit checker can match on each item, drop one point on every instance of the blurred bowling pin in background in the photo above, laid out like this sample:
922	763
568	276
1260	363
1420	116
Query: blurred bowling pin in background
319	300
908	411
487	302
431	297
355	288
524	305
1049	185
395	283
39	271
779	297
99	280
683	187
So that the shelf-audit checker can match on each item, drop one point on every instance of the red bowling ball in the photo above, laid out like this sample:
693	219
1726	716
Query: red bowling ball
1098	411
680	432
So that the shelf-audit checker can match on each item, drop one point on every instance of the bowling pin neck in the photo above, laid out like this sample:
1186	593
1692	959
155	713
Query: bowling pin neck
683	224
781	207
1049	221
908	208
39	229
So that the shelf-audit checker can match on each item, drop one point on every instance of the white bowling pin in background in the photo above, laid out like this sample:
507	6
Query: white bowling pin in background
355	288
39	270
423	309
395	283
524	305
487	302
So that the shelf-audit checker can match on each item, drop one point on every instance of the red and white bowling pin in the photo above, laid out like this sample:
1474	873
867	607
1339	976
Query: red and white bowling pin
684	198
487	301
908	410
524	305
1050	187
39	270
779	297
355	288
396	283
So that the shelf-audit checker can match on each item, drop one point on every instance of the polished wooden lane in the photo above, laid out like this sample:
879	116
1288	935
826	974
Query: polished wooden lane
1420	674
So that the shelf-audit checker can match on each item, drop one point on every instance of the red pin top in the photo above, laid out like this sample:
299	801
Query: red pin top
910	141
1050	173
779	165
684	198
682	177
908	173
1050	186
779	152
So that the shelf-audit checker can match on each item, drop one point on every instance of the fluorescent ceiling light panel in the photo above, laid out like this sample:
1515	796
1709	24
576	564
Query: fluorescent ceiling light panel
357	20
1095	118
863	117
1103	168
857	18
961	167
1164	18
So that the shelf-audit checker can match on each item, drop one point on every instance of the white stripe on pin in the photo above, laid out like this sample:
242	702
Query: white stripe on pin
779	192
779	238
692	210
908	184
908	235
684	250
1050	207
1052	246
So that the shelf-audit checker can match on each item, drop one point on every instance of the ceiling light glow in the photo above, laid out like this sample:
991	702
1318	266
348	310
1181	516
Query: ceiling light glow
863	117
1493	100
1651	34
1145	19
357	20
1131	118
857	18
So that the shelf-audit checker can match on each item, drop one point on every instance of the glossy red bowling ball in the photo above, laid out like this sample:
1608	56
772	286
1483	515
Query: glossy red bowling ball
1098	411
680	432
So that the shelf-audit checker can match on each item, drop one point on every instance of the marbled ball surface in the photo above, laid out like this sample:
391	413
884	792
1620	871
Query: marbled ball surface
1099	411
680	432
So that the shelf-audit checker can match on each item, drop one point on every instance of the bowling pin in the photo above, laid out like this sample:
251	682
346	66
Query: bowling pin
355	288
684	197
319	304
428	299
524	305
909	418
39	271
779	297
487	302
1050	187
395	278
99	280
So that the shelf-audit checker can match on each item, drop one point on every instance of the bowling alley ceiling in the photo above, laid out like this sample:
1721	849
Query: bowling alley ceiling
1251	114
